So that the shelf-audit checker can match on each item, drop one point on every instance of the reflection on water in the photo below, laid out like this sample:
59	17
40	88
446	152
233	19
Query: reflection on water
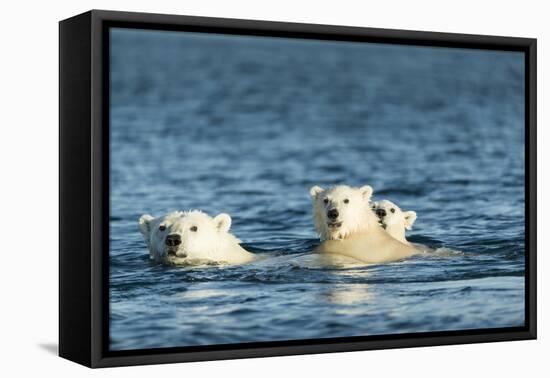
247	125
348	295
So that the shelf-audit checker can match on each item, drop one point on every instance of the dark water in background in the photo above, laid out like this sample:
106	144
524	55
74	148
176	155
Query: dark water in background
247	125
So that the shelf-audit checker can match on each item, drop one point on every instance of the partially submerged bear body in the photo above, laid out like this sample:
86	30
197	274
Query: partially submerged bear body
192	237
394	220
347	225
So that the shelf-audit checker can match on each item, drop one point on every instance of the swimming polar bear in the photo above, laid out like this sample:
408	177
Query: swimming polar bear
347	225
192	237
393	219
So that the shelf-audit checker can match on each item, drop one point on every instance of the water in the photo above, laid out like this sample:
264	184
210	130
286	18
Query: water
247	125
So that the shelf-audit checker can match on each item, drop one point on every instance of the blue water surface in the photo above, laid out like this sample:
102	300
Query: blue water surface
246	125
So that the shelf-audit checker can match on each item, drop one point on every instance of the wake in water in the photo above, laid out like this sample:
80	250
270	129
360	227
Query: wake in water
306	258
442	252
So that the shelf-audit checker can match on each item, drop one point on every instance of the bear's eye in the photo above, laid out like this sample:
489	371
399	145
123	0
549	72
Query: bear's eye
392	210
162	227
325	200
194	228
346	200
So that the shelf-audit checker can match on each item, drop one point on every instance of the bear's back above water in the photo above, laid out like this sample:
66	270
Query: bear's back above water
372	248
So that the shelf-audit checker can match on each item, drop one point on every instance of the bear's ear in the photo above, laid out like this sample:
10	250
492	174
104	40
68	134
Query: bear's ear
315	190
145	223
366	191
410	217
223	222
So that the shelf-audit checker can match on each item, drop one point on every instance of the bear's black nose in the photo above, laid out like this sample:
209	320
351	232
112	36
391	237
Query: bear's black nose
173	240
381	212
332	214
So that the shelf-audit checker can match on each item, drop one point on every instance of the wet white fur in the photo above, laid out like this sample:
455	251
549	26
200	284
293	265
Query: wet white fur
357	213
360	235
396	222
211	241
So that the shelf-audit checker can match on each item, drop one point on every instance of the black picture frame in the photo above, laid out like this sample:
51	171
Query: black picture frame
84	187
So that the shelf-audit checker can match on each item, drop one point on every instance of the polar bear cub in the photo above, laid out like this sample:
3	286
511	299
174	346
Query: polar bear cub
347	225
393	219
192	236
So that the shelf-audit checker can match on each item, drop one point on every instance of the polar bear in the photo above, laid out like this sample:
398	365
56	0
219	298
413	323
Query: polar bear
192	237
347	225
393	219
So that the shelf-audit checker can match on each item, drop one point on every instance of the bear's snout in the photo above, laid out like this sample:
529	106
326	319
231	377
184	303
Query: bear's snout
333	214
173	240
380	213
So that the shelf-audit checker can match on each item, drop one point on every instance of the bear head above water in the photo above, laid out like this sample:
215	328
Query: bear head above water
394	220
186	237
342	210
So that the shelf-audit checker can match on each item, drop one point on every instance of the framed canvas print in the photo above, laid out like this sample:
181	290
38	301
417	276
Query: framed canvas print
234	188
